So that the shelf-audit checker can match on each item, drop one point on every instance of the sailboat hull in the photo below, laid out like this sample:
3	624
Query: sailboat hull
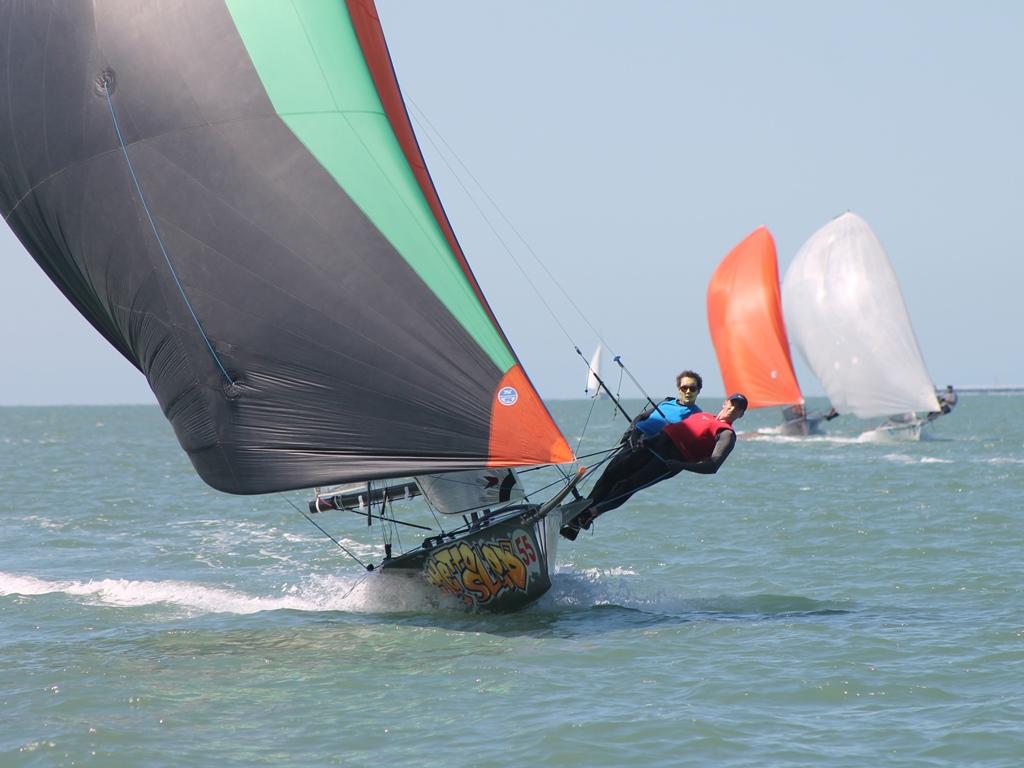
500	564
801	427
897	430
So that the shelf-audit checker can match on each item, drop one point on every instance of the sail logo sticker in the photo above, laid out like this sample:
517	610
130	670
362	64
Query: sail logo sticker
508	395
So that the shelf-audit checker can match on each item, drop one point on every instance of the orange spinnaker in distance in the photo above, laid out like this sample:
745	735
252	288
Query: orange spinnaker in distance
745	317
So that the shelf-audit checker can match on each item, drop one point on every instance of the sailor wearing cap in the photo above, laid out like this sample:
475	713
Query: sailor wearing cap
704	443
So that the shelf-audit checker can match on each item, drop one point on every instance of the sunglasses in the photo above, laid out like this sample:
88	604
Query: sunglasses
689	388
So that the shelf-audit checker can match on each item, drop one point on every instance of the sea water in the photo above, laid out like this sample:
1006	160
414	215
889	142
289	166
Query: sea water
830	600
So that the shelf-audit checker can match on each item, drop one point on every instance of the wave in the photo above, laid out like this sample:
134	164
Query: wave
773	435
883	435
902	458
593	588
380	593
364	593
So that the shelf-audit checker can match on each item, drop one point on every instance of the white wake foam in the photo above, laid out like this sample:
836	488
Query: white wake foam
902	458
363	593
774	435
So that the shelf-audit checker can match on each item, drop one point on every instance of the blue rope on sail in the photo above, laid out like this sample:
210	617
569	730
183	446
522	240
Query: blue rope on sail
159	240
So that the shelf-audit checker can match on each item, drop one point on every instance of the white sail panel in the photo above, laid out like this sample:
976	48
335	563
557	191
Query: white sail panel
847	318
457	493
593	387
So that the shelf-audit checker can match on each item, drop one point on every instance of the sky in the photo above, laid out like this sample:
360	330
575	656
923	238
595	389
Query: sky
598	159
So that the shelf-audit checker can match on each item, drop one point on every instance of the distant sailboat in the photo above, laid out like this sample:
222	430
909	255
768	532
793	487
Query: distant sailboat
745	318
594	373
847	318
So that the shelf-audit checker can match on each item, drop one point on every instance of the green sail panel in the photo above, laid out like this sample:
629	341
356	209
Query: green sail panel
309	60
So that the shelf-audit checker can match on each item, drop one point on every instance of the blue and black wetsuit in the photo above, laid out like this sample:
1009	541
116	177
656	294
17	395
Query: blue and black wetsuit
668	411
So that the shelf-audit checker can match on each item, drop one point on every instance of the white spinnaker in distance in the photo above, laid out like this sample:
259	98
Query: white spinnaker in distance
847	318
593	388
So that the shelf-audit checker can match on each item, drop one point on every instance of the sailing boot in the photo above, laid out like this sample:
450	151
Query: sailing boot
581	522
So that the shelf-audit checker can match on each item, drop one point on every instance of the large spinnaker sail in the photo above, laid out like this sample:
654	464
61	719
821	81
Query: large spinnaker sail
231	193
847	318
745	317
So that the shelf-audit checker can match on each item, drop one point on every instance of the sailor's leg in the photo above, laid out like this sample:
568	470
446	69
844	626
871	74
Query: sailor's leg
622	466
653	471
626	474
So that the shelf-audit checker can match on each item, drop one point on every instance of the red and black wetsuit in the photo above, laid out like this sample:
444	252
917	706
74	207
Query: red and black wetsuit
696	439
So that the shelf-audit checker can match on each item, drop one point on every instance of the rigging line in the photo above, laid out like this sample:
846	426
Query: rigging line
426	120
608	457
433	512
604	386
387	527
668	473
325	533
397	533
495	232
603	452
159	240
516	261
655	481
526	496
397	522
511	226
552	484
583	432
356	585
618	359
535	468
565	475
422	115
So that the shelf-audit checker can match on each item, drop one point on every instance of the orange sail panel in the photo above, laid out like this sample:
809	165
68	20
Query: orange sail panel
522	430
745	317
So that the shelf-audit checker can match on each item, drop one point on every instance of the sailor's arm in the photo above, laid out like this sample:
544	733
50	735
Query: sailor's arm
633	436
647	413
723	447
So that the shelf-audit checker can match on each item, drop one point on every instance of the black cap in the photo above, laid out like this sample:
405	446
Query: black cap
740	400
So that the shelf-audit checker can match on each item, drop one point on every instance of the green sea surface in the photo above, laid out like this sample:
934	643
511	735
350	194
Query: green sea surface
835	601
